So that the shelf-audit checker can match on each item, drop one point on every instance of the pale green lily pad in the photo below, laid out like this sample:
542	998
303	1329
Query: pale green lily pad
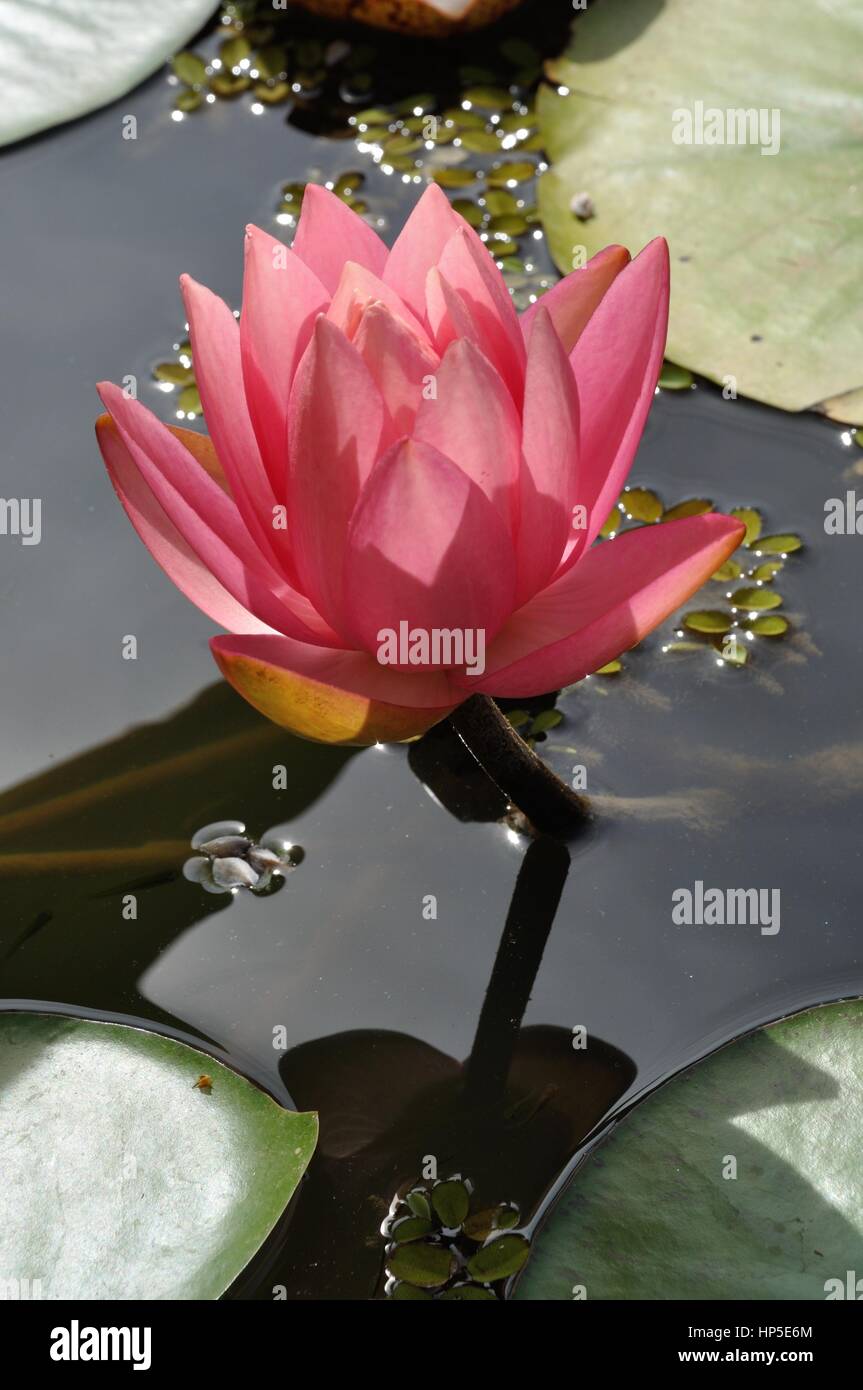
751	520
768	625
756	598
778	545
65	59
709	620
653	1214
641	504
765	249
124	1175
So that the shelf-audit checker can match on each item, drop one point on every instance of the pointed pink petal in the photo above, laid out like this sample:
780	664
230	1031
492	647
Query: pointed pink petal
428	548
329	234
472	420
333	697
572	301
420	246
335	424
208	521
467	266
616	594
164	541
402	368
547	483
358	289
281	300
215	336
448	315
616	362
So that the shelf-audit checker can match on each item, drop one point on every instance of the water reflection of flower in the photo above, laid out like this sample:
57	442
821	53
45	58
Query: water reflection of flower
228	860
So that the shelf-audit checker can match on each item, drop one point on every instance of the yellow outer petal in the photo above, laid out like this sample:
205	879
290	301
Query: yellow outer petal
200	446
321	712
410	16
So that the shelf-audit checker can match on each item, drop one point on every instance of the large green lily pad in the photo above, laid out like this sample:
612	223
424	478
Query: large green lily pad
123	1177
69	57
765	249
653	1216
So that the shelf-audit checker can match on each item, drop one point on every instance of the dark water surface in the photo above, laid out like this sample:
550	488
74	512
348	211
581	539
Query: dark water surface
738	778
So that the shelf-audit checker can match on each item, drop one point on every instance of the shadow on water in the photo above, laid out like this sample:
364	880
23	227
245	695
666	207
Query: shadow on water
118	820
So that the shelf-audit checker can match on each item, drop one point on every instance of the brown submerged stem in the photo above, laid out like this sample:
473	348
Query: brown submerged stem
550	805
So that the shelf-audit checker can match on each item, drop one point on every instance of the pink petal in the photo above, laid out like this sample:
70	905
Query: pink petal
215	336
467	266
358	289
208	521
448	314
472	420
402	368
420	246
335	424
426	547
547	484
617	593
616	362
329	234
281	300
572	301
164	541
333	697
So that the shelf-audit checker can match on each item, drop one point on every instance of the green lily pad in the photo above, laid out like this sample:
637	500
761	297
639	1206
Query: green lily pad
784	228
751	520
778	545
768	571
711	620
451	1202
641	504
755	599
411	1228
480	141
730	570
611	668
769	625
674	378
693	506
739	1180
124	1174
499	1258
455	178
62	60
424	1266
418	1203
513	171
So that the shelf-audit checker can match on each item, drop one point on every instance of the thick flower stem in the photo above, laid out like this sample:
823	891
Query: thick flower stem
549	804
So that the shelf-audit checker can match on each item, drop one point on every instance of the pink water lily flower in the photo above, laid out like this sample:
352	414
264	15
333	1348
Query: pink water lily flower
394	453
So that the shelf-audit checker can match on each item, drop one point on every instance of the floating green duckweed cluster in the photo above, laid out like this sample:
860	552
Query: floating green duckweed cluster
747	594
178	376
440	1247
476	137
